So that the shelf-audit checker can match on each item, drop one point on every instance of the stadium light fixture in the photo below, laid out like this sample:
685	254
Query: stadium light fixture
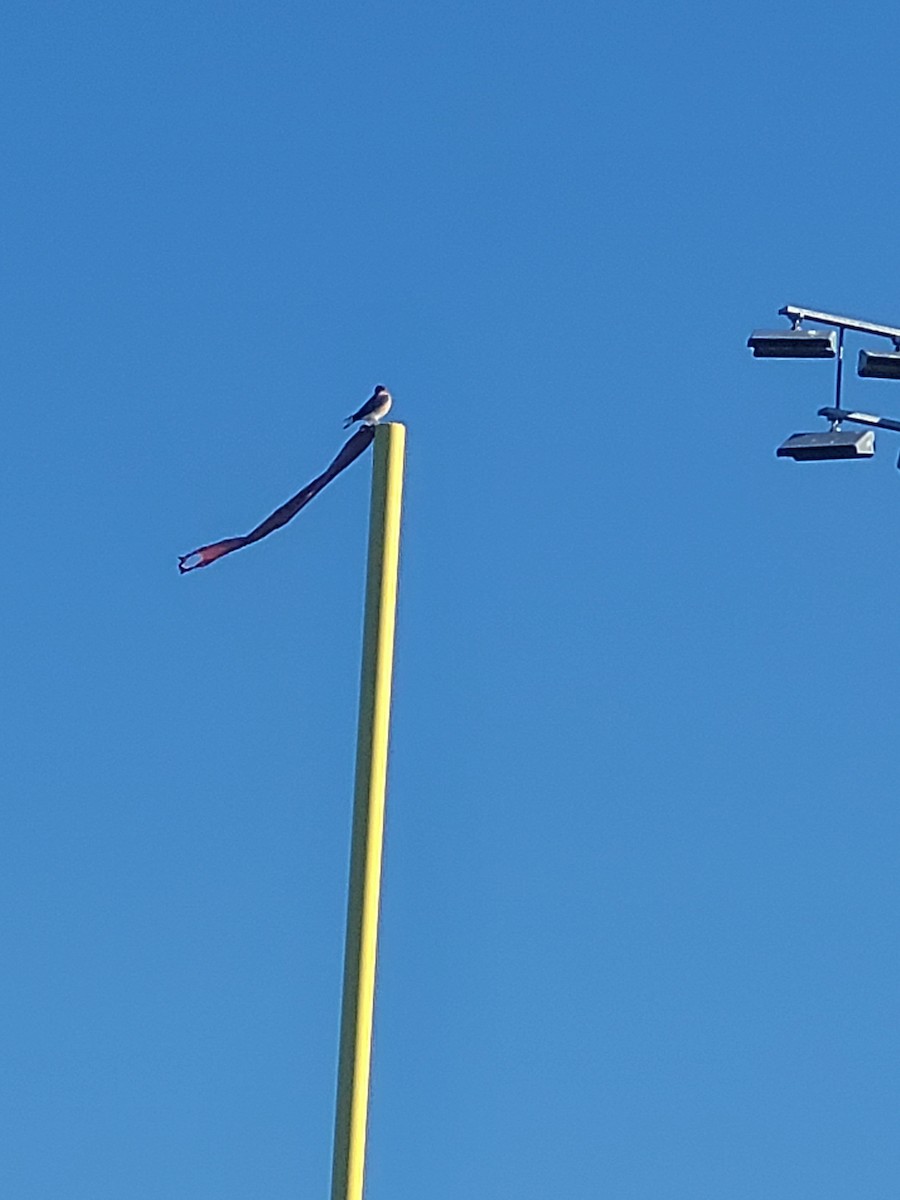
796	342
792	343
878	366
828	444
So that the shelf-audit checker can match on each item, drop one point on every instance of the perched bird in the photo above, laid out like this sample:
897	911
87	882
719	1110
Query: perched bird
374	408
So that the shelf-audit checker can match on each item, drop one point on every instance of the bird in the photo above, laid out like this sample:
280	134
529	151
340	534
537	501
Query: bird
374	408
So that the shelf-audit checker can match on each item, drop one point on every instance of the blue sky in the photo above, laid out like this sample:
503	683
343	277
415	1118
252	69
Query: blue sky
641	882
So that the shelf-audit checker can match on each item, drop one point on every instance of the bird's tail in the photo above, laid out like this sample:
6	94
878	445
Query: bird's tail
348	422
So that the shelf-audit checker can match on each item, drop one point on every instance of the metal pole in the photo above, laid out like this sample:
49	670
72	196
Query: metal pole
357	1009
836	424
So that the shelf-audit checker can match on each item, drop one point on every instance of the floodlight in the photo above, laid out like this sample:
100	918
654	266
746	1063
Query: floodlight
834	443
878	366
792	343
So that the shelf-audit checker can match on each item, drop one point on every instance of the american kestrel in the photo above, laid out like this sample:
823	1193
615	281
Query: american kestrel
374	408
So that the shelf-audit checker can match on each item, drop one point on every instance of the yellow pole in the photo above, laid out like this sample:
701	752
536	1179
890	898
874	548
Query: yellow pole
361	945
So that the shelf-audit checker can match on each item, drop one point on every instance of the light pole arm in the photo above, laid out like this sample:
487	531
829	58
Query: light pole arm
859	418
810	314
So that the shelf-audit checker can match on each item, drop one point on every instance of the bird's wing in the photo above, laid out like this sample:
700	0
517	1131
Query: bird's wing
370	405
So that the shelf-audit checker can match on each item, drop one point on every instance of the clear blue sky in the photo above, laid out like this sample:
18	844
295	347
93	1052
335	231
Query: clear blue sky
642	878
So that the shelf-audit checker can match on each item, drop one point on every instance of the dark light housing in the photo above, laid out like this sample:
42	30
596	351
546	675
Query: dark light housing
878	366
825	446
793	343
